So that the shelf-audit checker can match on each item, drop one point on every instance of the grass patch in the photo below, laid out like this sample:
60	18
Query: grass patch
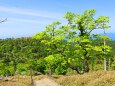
96	78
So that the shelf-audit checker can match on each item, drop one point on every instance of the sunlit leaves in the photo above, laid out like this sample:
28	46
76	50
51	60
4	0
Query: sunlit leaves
70	17
56	63
40	35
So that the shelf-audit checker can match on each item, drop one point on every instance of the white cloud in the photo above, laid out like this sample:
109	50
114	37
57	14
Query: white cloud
18	20
30	12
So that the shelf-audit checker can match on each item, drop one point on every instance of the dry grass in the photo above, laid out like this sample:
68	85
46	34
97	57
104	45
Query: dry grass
20	81
98	78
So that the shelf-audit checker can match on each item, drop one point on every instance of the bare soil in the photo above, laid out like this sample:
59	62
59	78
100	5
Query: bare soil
45	82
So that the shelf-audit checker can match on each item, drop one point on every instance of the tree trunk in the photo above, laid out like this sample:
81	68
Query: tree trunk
109	63
105	65
50	72
32	83
76	68
86	66
105	68
92	64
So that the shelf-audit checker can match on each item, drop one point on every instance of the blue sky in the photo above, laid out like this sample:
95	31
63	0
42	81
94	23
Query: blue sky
27	17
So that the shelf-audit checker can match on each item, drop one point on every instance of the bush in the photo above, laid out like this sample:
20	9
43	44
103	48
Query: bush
40	66
22	69
55	64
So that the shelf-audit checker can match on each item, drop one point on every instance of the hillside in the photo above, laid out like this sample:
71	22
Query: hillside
17	54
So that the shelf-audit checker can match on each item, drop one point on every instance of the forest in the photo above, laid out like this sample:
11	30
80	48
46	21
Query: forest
61	48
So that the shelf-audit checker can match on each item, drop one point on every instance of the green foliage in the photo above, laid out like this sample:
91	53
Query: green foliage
22	67
113	63
40	65
6	70
80	45
59	47
16	55
56	64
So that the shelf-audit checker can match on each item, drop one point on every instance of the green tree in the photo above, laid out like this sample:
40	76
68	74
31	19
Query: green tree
75	41
81	26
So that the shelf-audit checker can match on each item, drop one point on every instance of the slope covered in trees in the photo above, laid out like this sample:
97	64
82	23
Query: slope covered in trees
17	55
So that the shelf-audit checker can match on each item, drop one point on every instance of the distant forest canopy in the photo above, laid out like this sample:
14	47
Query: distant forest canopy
60	49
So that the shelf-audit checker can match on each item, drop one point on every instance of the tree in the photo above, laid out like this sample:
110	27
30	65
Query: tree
82	25
53	39
75	41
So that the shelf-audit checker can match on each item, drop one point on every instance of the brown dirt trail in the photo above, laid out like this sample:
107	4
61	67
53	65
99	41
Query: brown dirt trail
45	82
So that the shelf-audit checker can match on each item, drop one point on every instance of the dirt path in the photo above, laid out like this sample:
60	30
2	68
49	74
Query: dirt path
45	82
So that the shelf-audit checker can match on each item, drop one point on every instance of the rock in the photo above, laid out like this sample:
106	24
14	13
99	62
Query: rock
38	73
7	79
1	77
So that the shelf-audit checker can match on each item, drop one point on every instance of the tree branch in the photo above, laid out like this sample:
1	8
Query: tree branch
3	20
